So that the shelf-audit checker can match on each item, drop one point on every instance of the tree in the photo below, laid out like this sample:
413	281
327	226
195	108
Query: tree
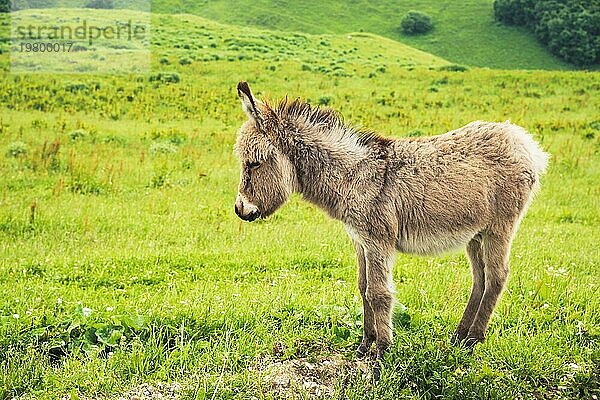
569	28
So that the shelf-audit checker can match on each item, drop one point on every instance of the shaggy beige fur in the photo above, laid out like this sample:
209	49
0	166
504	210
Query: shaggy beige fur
465	188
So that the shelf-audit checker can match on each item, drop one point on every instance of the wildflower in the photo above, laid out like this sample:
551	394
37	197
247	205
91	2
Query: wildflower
86	311
558	272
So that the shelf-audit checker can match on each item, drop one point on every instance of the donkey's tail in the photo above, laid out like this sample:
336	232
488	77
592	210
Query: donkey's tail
531	150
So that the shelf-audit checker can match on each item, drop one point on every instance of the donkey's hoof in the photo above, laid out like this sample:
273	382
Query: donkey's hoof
457	338
471	341
377	369
381	350
363	350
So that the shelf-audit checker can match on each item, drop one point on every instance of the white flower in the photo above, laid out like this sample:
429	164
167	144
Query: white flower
86	311
109	309
558	272
59	301
16	316
545	306
28	312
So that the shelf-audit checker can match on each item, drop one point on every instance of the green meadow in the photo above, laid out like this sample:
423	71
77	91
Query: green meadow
465	32
123	265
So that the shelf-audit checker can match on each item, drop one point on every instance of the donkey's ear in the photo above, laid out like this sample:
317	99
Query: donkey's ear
248	102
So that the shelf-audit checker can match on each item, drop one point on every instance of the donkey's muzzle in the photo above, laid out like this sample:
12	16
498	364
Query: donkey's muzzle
246	211
251	216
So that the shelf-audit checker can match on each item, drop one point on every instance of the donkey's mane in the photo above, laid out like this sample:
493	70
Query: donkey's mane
327	120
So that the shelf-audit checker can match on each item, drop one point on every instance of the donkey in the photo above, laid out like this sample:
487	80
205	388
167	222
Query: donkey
466	188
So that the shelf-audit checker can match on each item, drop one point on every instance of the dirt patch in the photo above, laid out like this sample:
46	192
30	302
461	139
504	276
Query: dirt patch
323	377
146	391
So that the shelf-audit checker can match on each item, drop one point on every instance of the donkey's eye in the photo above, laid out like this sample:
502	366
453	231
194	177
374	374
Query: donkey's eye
253	164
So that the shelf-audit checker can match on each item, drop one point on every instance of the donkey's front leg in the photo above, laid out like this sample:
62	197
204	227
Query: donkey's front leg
380	294
369	334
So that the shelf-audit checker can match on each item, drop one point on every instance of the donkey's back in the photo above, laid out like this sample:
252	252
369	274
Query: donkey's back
447	189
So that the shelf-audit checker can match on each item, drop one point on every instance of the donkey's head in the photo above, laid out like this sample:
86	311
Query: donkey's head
267	176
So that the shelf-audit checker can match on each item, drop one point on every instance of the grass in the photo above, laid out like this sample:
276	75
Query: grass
188	39
464	33
122	262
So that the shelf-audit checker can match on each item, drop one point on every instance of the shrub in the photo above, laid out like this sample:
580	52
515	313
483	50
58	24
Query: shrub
416	23
100	4
78	134
77	87
453	68
324	100
16	149
167	77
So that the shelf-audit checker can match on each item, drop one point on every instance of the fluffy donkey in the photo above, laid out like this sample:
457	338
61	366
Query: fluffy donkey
465	188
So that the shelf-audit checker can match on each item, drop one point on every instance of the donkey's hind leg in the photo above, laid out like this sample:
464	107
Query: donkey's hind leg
496	249
369	334
474	252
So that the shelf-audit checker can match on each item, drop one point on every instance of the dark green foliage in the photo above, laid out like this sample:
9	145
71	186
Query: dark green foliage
16	150
453	68
77	87
415	23
167	77
100	4
82	183
513	12
570	29
324	100
77	134
8	5
416	133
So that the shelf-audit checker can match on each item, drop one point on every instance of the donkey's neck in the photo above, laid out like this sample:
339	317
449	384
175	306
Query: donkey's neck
327	155
325	163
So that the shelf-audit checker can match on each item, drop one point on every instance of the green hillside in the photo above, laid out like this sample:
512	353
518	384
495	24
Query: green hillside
188	38
465	32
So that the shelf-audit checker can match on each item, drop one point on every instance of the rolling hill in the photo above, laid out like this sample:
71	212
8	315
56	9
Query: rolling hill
185	39
465	32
